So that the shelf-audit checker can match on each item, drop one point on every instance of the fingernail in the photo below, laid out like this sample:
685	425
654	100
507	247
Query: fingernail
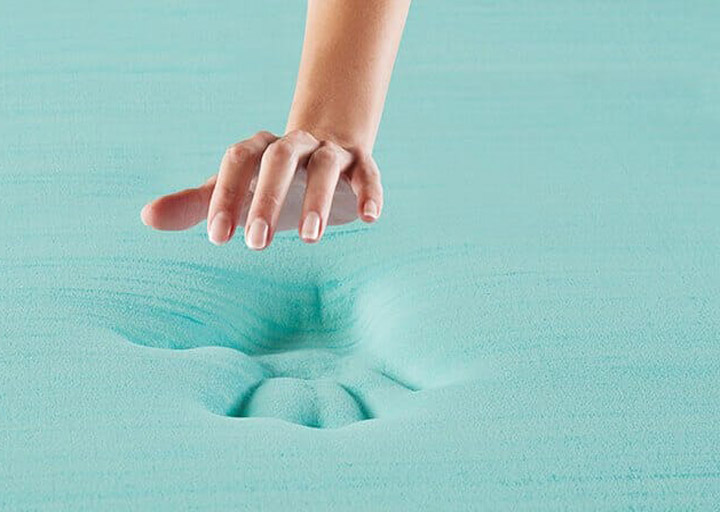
144	214
220	228
311	227
370	209
256	237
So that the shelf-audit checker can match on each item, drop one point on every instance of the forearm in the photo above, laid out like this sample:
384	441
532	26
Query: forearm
347	59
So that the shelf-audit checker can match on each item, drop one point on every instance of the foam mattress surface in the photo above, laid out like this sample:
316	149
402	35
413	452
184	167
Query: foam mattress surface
534	323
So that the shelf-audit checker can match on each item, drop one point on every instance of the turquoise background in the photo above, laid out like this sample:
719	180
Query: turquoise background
533	324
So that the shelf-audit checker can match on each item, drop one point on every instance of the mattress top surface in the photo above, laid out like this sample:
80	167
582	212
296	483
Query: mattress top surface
532	324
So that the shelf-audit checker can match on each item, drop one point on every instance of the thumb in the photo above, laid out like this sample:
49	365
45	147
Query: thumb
180	210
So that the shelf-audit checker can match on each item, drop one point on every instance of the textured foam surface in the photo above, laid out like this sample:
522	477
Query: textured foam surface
533	324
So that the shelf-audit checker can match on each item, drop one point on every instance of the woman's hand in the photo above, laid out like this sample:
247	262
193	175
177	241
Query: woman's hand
348	54
274	160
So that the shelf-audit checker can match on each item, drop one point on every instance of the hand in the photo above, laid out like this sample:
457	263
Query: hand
273	161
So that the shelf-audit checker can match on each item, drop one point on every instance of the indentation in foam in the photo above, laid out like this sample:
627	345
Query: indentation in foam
320	353
318	403
304	349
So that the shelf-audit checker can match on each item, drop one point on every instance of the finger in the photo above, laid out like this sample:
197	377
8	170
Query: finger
180	210
236	171
365	182
323	172
277	167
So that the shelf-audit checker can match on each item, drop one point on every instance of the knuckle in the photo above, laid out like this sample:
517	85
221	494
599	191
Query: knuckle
333	146
301	138
376	189
372	172
280	149
320	203
368	183
325	156
225	193
239	151
297	135
365	173
263	134
268	201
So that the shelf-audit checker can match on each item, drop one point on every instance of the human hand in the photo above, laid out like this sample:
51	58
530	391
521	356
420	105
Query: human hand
252	186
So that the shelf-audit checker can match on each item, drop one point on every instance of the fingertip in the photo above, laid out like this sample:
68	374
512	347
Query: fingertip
146	215
220	229
142	215
177	211
370	211
310	231
257	235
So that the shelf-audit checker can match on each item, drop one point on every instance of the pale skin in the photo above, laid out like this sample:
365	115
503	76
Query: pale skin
347	59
